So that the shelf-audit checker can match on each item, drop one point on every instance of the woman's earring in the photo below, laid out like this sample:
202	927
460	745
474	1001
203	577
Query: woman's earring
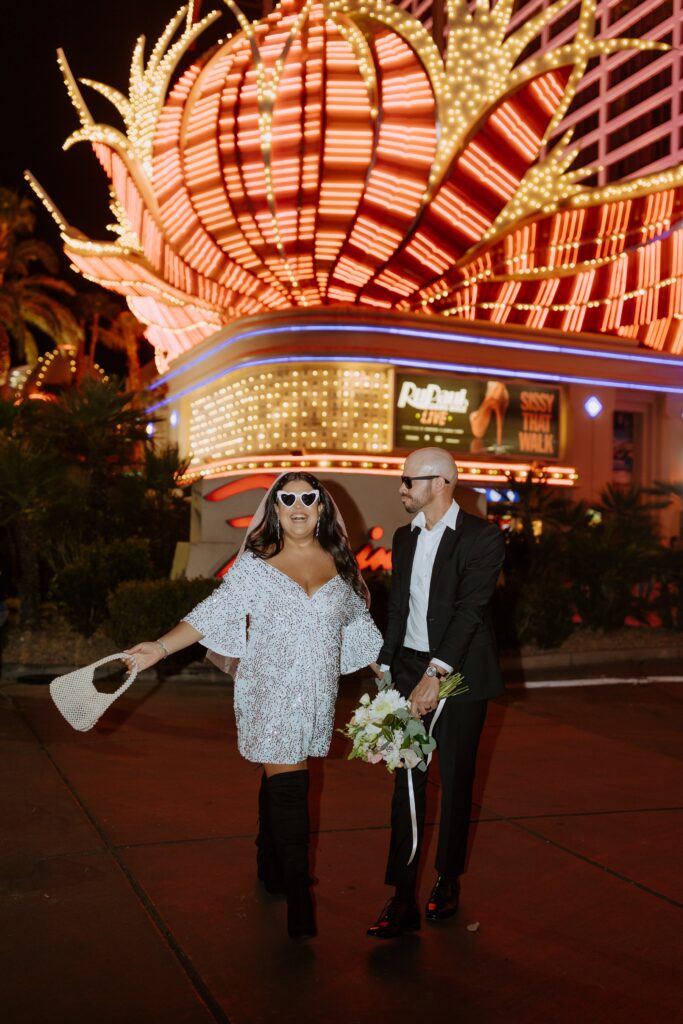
278	527
317	527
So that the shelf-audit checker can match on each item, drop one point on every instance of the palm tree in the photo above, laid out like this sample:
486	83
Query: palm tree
534	604
97	430
631	511
538	503
124	334
614	558
166	508
29	300
104	322
30	478
17	217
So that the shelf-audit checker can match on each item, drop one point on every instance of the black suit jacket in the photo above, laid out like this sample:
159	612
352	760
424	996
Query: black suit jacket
466	567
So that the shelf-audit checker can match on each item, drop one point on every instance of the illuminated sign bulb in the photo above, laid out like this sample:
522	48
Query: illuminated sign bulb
593	406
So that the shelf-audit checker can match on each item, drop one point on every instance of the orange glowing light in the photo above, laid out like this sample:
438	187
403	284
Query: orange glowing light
328	154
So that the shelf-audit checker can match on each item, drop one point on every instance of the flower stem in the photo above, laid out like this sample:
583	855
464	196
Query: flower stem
452	685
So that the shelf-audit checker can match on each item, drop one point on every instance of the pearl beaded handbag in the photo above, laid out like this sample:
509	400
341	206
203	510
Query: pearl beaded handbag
77	699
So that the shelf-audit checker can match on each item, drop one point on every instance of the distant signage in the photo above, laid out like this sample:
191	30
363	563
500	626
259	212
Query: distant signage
476	416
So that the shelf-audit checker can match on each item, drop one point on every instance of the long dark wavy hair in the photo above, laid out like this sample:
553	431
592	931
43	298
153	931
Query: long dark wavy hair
266	540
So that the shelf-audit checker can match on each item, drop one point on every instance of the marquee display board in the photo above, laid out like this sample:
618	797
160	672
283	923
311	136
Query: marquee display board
473	415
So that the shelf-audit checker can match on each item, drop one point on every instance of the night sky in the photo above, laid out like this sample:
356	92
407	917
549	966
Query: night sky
37	115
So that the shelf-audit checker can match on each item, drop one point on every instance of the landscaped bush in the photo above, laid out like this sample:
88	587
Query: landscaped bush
148	609
668	599
82	588
534	604
568	564
614	559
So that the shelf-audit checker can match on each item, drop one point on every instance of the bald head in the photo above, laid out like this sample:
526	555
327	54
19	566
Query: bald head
434	475
436	461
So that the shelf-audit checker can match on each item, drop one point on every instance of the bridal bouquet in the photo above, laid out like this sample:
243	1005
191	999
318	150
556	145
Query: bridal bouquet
382	728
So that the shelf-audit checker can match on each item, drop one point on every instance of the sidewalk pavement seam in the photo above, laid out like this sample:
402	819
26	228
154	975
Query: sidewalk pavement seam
194	977
491	818
516	823
588	814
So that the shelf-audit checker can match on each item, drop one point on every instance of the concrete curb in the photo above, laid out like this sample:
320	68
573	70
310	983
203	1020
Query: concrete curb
520	662
511	662
45	673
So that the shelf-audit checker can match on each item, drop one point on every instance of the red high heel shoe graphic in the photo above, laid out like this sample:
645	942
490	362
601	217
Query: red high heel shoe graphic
496	400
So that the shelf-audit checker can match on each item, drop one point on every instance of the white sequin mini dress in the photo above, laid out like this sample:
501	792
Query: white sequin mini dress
291	655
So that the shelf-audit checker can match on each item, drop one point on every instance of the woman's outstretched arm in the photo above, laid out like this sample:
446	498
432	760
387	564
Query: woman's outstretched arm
149	652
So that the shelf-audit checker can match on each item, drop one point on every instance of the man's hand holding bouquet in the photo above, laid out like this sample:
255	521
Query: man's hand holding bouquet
383	729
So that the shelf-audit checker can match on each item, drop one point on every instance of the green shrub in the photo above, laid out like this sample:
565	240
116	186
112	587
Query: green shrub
82	588
146	610
534	605
543	613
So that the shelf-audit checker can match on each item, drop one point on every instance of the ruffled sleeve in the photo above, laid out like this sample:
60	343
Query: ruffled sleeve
222	617
361	640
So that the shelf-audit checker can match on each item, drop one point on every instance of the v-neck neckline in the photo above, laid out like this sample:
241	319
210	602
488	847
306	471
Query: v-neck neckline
297	584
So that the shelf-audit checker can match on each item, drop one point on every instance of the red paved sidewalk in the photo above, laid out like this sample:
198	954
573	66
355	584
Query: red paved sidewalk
128	891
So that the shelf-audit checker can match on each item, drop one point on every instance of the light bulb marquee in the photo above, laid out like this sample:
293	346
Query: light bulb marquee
329	154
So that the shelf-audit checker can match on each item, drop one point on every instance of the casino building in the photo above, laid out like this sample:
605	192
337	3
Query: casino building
346	244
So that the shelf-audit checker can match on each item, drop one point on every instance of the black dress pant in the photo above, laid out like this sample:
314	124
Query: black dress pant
457	733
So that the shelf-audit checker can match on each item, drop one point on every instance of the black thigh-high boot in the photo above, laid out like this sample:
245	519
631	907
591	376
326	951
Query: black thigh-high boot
268	867
288	806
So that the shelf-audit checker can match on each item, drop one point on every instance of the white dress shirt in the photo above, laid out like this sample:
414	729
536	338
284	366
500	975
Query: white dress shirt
417	634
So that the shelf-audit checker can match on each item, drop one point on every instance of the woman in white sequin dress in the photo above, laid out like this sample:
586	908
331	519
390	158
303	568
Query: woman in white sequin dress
293	610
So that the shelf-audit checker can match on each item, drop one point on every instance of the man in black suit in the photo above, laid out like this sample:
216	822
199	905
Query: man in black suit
445	567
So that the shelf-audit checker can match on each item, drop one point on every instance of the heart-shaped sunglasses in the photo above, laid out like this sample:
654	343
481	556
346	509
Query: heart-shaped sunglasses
289	498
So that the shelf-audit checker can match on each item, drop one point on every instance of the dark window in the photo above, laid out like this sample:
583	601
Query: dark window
593	63
622	8
655	16
518	4
642	91
590	92
680	137
586	156
636	63
639	126
586	125
634	161
529	50
567	19
592	181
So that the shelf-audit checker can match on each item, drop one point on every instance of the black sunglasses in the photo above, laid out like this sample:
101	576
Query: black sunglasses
407	481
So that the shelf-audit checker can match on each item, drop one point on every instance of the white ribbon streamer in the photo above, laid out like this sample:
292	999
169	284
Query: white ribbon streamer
411	791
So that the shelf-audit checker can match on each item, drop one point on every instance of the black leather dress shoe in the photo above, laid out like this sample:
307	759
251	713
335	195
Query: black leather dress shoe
443	900
396	917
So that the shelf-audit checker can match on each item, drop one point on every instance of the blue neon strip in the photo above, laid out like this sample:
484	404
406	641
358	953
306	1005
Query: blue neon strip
467	339
422	364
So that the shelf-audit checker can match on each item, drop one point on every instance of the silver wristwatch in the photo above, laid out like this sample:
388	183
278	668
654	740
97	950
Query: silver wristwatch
432	671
